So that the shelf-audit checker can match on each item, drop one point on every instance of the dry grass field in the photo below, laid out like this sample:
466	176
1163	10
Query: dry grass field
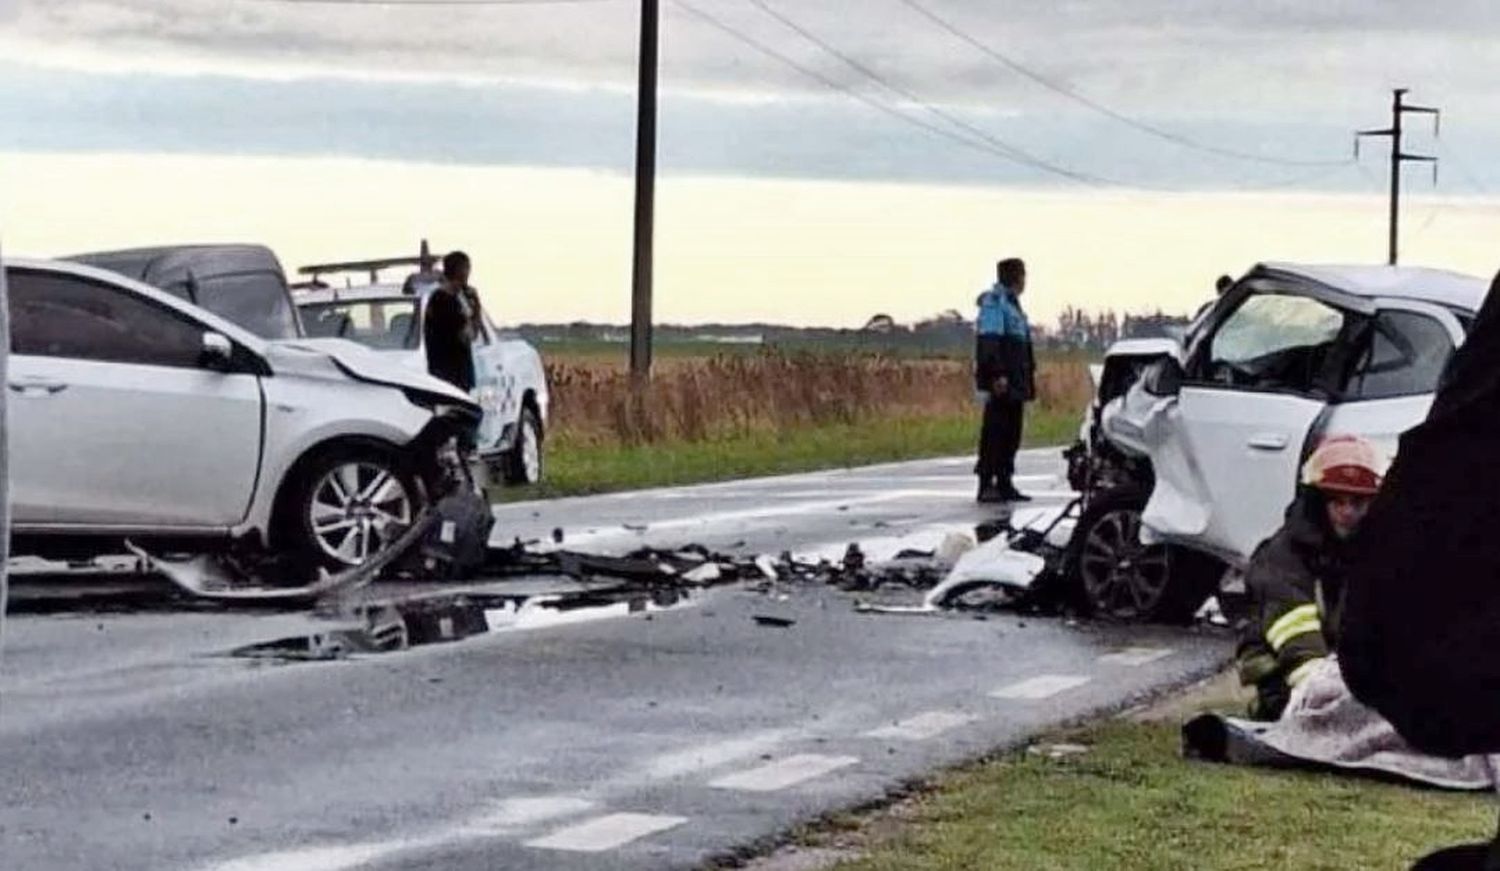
713	398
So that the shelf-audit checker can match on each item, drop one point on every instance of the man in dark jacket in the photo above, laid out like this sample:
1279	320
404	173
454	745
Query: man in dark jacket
1295	580
1005	377
450	323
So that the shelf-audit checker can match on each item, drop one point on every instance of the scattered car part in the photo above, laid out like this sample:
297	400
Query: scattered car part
989	566
213	576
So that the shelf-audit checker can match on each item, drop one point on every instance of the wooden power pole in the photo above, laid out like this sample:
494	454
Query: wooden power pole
645	195
1399	109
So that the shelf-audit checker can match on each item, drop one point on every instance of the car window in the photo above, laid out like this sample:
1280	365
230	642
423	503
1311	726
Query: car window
55	315
1406	357
1275	341
381	324
257	301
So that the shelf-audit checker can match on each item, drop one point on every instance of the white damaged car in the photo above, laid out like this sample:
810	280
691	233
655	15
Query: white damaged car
1203	451
137	415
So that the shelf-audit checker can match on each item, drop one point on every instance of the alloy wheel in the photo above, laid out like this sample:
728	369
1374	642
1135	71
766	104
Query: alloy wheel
357	509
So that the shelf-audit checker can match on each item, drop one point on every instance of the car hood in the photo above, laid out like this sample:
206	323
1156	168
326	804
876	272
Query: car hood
341	358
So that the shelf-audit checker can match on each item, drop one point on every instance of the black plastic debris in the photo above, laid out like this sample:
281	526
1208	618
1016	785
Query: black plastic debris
777	622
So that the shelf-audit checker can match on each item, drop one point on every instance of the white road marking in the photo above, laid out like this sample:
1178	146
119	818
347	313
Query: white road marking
922	726
313	858
889	471
515	813
1040	687
606	833
784	773
759	513
503	818
706	756
1136	655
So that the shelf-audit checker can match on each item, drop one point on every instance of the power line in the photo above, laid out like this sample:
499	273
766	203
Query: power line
1075	96
429	2
1318	172
1462	166
994	148
906	94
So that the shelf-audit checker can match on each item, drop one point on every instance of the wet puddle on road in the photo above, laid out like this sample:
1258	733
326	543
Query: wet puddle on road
397	626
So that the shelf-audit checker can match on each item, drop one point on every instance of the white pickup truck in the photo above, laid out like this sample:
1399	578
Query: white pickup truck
511	384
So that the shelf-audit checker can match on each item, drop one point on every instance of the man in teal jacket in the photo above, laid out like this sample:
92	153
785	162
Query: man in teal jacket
1005	376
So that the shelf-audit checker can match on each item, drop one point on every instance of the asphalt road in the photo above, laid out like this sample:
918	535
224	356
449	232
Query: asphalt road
648	741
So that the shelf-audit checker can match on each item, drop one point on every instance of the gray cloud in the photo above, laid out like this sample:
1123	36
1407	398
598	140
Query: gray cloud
1198	54
1282	77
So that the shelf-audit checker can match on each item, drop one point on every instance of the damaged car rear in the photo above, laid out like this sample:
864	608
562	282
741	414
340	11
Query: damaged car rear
138	416
1205	446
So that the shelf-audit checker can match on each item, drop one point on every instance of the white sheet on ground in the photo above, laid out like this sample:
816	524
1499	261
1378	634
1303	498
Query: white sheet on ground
1324	723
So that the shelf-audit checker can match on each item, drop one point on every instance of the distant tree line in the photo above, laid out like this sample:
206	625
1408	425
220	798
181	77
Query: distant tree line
946	333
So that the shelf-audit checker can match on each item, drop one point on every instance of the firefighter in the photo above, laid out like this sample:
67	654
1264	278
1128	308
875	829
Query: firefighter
1295	580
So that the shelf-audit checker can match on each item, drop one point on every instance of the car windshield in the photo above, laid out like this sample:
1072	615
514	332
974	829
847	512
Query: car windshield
256	301
383	324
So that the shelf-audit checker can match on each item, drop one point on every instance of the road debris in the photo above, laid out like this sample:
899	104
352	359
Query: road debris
779	622
1058	751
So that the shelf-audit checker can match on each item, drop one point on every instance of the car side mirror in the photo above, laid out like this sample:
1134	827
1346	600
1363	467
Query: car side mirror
1164	377
218	352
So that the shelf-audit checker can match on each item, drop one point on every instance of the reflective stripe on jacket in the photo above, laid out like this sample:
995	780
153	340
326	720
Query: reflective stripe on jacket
1295	585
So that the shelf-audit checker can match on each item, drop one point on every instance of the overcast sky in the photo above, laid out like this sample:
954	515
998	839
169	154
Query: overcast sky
551	84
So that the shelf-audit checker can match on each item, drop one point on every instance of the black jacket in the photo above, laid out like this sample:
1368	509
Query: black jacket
447	335
1422	615
1295	583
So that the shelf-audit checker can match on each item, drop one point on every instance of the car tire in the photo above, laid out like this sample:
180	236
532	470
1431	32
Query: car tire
1113	576
522	464
346	504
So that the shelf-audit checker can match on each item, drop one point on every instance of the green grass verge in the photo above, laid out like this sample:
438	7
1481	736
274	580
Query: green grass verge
1131	802
574	470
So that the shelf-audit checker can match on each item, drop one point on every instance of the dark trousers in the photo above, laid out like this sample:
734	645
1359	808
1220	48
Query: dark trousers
999	439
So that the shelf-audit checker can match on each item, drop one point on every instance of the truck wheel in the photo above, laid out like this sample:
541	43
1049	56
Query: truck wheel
1113	575
523	463
347	504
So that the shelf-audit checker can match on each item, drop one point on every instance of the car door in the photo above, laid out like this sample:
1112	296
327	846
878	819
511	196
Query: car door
114	422
490	386
1228	450
1394	380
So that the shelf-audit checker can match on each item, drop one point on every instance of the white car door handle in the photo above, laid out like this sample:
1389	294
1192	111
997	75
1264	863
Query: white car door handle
1268	441
37	388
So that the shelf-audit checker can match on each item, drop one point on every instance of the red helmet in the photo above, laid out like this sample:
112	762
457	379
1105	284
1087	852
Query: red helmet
1345	464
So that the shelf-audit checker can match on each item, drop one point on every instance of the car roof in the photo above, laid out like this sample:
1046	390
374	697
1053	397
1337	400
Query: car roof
167	263
361	293
1440	286
109	276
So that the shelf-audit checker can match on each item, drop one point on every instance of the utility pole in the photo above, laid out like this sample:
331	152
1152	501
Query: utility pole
645	196
1399	109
